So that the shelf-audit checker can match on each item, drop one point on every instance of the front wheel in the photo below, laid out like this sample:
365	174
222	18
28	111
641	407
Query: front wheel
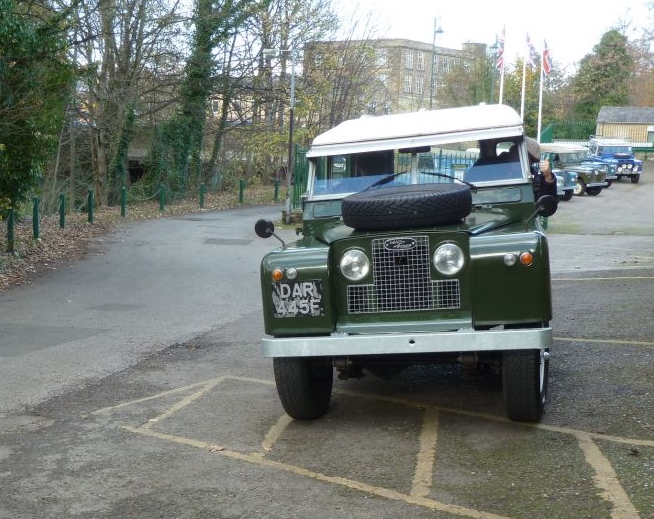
524	378
580	187
567	196
304	386
593	191
635	179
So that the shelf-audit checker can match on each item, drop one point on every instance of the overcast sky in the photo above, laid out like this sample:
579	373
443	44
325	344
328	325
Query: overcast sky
571	27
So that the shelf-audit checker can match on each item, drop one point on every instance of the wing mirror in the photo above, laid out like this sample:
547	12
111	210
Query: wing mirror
266	229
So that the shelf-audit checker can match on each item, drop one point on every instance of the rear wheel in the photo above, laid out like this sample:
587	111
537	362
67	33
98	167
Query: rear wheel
567	195
593	191
304	386
524	377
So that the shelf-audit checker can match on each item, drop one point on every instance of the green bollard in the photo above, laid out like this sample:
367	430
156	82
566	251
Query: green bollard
202	188
62	211
241	189
162	197
276	190
10	231
36	223
89	205
123	201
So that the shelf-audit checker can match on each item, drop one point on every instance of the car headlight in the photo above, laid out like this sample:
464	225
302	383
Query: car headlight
630	166
354	265
448	259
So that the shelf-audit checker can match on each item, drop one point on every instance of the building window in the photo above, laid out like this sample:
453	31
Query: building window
420	63
381	56
408	80
408	59
383	79
318	60
446	64
420	82
435	63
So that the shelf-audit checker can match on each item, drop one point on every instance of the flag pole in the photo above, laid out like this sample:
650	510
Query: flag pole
540	98
502	85
501	62
522	98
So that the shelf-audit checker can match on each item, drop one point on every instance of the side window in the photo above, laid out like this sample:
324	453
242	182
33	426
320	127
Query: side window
338	166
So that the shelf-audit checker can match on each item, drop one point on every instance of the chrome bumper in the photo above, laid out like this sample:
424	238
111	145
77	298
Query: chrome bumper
339	345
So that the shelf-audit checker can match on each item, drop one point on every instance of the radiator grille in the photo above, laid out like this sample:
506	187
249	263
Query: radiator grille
402	282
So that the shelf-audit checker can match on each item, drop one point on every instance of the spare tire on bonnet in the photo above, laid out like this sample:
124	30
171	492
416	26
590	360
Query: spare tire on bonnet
405	207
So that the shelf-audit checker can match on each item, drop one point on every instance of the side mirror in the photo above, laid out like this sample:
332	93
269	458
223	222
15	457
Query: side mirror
546	205
264	228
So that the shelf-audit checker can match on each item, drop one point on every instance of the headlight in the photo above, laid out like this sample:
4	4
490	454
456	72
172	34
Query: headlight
449	259
354	265
630	166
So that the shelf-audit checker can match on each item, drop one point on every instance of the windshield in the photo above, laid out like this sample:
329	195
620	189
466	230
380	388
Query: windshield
612	150
484	163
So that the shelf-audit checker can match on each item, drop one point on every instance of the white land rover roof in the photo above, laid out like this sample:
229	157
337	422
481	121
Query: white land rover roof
548	147
424	128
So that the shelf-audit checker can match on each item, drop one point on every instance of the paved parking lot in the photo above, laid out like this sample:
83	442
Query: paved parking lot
197	430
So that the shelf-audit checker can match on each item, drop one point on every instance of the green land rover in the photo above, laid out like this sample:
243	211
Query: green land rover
399	265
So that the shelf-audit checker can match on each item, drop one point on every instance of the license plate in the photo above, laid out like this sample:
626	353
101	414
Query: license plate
298	299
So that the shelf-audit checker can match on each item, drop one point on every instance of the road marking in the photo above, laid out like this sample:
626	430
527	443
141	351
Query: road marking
607	480
275	432
184	402
604	278
605	341
423	475
258	459
605	477
161	394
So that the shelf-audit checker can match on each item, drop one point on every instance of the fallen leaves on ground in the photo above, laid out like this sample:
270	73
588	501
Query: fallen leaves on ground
56	246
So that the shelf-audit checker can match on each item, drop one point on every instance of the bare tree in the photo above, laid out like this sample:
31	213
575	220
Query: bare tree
128	52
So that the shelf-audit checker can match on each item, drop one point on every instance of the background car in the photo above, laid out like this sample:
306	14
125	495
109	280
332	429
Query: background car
591	176
619	154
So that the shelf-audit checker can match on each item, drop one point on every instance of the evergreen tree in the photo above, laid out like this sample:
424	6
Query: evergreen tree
604	76
34	76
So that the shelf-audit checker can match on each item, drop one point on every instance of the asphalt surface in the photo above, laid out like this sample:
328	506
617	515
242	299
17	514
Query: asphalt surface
132	385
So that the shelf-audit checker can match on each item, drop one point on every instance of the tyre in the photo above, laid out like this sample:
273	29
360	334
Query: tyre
304	386
580	187
567	196
593	191
524	378
609	183
405	207
635	179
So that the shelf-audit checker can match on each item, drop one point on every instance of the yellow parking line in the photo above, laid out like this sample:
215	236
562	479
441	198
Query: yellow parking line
257	459
423	475
189	399
605	278
624	342
607	480
275	432
183	389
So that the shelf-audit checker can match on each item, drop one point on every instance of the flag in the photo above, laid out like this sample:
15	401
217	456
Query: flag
499	63
533	57
547	59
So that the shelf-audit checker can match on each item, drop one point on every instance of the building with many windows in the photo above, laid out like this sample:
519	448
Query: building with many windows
404	75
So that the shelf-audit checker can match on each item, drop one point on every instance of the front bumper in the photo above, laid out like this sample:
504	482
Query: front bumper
345	345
